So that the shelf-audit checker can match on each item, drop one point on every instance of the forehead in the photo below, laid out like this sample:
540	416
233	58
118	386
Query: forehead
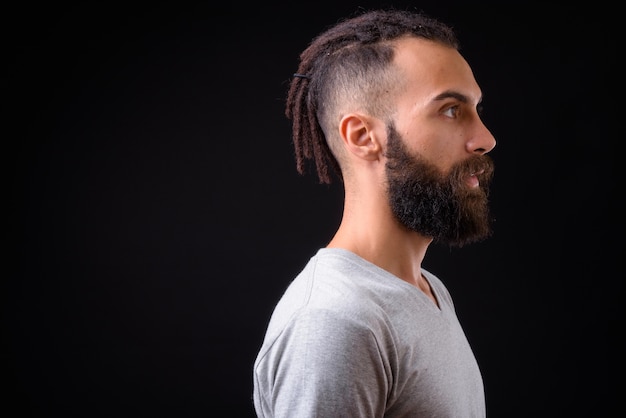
430	68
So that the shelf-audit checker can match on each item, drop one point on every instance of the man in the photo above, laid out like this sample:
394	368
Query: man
385	102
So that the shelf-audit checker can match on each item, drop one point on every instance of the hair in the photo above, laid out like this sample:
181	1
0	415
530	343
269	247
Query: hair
349	63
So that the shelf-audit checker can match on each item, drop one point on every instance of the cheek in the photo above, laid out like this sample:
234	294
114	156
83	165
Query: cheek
444	149
435	148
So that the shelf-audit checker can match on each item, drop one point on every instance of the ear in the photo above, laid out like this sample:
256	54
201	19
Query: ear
360	136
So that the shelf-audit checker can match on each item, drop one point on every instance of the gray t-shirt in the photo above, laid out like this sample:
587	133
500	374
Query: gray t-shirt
349	339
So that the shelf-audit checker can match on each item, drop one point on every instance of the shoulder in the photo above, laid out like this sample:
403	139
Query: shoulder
334	292
330	287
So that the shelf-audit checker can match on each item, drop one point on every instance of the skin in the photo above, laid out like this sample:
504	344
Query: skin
436	114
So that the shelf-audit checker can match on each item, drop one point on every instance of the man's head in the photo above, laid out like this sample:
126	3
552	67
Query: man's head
387	100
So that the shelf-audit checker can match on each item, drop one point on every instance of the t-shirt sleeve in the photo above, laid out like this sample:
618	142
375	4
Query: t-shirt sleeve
322	364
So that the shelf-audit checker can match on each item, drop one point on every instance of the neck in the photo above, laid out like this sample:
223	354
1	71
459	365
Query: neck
373	233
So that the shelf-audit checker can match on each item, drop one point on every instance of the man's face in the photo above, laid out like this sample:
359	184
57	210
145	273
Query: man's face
444	206
437	171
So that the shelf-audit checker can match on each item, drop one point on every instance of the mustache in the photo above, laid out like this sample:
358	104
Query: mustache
481	166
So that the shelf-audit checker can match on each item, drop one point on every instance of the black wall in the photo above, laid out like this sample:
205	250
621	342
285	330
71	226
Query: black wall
156	214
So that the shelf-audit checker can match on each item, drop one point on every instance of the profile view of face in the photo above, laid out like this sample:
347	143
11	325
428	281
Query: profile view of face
437	169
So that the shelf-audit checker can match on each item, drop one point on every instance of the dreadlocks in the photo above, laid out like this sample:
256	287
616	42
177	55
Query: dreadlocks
348	62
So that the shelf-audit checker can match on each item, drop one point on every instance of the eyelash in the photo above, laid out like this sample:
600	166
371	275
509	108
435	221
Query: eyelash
456	109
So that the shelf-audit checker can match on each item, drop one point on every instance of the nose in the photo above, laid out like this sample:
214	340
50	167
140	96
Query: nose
482	141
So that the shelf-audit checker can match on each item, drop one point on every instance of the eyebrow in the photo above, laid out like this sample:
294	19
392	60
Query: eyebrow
451	94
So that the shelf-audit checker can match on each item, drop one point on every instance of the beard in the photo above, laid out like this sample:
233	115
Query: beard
436	204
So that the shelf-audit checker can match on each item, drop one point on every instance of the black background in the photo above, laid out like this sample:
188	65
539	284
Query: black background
158	215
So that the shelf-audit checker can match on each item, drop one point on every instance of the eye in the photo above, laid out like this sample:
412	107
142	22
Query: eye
451	112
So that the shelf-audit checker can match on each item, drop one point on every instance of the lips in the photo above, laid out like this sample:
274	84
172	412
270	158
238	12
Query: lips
472	181
474	173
